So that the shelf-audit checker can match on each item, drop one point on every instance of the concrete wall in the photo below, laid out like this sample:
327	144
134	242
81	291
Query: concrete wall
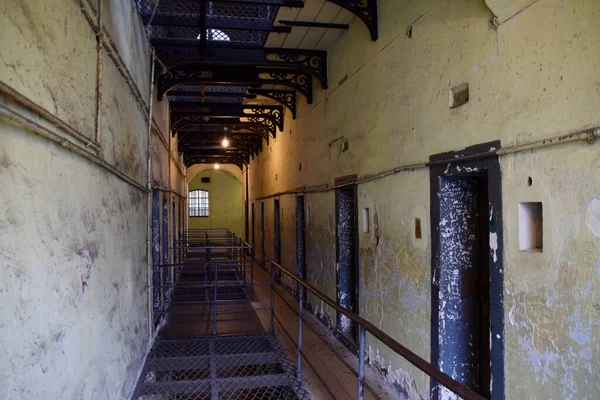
534	76
74	322
226	209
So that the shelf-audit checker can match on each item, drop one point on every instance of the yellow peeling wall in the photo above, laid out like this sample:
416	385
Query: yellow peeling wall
74	236
226	209
534	76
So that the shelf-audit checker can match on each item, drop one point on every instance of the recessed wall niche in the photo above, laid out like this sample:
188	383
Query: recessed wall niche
531	226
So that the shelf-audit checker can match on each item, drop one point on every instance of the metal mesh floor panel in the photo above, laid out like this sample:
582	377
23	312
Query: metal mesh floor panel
219	367
205	294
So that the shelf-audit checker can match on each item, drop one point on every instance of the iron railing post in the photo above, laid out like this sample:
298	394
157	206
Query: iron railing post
272	329
244	249
361	361
300	306
252	252
216	283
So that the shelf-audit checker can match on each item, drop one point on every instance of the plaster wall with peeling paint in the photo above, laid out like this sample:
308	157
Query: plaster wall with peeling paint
74	321
532	77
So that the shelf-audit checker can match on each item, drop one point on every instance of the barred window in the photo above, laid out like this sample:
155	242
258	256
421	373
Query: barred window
198	203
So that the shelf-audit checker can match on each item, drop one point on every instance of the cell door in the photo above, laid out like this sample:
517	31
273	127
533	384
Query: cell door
467	334
347	258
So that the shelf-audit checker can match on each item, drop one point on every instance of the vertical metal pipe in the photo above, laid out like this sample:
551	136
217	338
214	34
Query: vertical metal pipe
156	282
272	329
165	250
100	45
149	199
361	361
300	307
244	261
252	253
247	209
216	283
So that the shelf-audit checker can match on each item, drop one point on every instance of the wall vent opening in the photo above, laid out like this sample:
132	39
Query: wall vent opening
459	95
531	226
418	234
366	220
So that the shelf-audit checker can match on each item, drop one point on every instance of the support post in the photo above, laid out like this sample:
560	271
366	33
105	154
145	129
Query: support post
100	48
252	252
272	328
300	307
216	283
361	361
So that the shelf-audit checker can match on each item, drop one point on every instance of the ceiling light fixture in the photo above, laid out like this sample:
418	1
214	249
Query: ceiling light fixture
225	142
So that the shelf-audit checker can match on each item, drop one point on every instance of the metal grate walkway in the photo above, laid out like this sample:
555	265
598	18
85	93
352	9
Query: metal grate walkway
208	290
220	367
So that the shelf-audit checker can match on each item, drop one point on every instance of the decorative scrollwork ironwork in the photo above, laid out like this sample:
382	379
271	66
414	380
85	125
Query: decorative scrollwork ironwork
257	124
273	114
197	74
311	61
284	97
366	10
298	80
267	122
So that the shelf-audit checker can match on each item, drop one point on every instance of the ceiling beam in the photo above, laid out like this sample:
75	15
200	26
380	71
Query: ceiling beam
251	112
365	10
173	52
198	74
198	93
279	3
307	24
214	23
286	98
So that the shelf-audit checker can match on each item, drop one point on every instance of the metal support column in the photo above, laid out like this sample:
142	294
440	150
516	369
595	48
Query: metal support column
361	361
300	306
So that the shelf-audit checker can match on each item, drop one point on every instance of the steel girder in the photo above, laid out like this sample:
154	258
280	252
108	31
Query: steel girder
174	52
197	74
366	10
194	140
286	98
273	113
261	126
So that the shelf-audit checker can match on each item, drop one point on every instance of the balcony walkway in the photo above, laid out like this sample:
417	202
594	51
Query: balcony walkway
211	343
227	330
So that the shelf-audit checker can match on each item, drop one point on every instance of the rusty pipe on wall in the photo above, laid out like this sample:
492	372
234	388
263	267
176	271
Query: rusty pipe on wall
12	95
149	200
589	135
100	46
111	50
17	118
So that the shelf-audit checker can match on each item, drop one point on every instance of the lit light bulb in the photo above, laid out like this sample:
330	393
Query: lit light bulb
217	166
225	142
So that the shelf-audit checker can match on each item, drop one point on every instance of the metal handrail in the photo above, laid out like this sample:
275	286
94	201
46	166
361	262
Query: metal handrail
364	325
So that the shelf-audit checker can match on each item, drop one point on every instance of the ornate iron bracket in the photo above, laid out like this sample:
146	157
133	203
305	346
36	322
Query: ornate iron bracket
200	138
284	97
272	113
242	75
202	159
366	10
174	52
312	62
263	126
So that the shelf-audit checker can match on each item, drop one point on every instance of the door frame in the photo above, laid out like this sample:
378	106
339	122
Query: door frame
473	167
348	343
